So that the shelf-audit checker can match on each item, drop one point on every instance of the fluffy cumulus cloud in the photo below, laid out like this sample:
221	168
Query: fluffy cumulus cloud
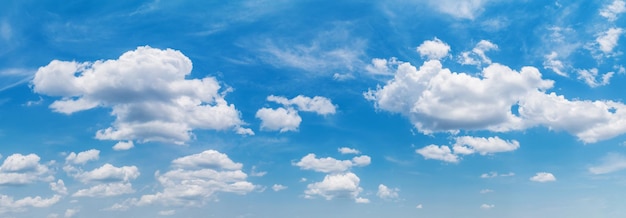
609	39
610	163
499	99
346	150
543	177
278	187
477	55
613	10
10	205
433	49
18	169
279	119
317	104
331	165
340	185
286	118
83	157
442	153
466	145
387	193
196	179
59	187
146	90
121	146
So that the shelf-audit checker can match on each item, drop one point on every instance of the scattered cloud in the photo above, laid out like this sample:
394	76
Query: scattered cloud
278	187
280	119
487	206
608	40
610	163
553	63
460	9
387	193
543	177
340	185
331	165
123	145
167	212
435	152
485	191
9	205
495	174
70	213
58	187
612	11
83	157
346	150
590	77
287	118
147	91
18	169
419	206
432	49
195	179
477	55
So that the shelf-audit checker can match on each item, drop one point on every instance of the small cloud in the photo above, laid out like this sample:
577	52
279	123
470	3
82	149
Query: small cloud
487	206
278	187
419	206
346	150
485	191
121	146
167	212
543	177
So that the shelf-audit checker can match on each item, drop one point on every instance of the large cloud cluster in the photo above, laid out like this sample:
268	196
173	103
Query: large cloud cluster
147	91
500	99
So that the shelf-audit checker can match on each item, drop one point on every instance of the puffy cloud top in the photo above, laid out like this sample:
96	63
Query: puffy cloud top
147	92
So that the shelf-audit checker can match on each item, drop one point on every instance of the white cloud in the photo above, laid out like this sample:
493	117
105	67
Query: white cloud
106	190
207	159
485	191
8	204
485	145
196	182
435	152
433	49
329	164
318	104
469	9
83	157
477	55
590	77
167	212
361	200
419	206
435	99
381	66
280	119
553	63
58	187
329	51
487	206
278	187
346	150
610	163
613	10
121	146
109	173
608	40
70	213
543	177
147	92
18	169
387	193
340	185
495	174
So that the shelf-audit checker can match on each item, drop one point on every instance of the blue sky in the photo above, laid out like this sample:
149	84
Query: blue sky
478	108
